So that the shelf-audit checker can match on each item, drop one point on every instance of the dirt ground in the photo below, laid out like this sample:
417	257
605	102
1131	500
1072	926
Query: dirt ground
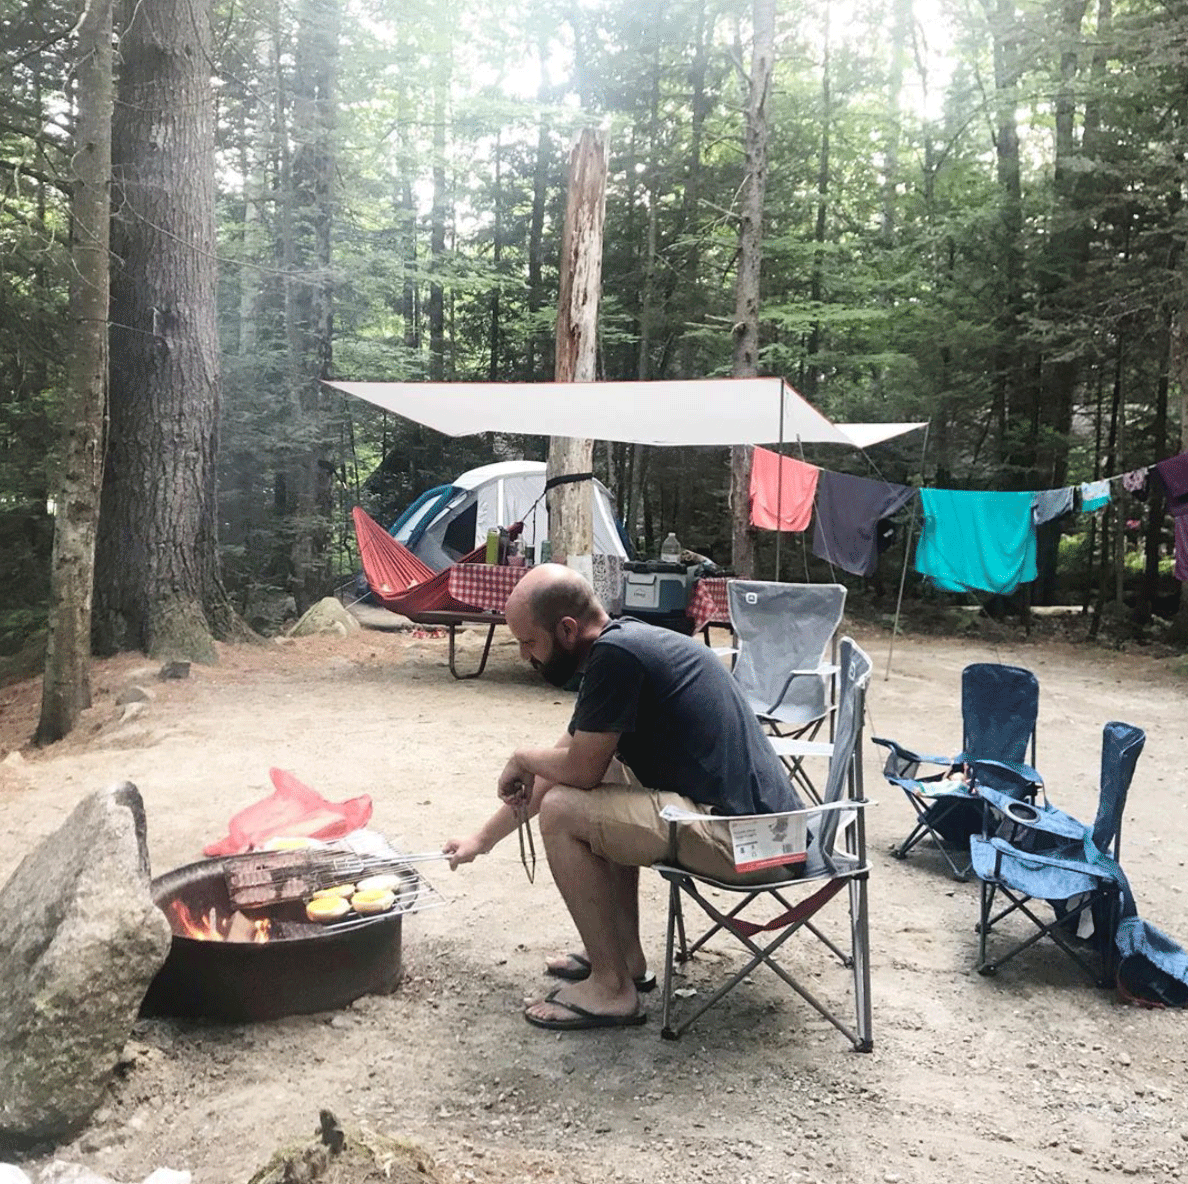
1032	1075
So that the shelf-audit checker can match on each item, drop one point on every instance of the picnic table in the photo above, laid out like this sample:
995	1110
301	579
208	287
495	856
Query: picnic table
479	592
709	605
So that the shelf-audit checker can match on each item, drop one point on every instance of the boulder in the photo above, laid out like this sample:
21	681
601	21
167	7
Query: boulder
80	941
327	616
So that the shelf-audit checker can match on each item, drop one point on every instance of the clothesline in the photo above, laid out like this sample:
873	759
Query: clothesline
970	539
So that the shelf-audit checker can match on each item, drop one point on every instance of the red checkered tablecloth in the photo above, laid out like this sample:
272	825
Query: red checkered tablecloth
483	585
708	604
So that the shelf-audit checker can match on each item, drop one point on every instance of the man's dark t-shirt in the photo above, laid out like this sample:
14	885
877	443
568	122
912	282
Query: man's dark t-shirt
683	724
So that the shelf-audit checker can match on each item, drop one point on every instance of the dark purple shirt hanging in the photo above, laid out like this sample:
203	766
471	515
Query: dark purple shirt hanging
849	513
1173	472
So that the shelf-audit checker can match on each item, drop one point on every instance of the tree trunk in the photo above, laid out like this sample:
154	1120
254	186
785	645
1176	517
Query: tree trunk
157	586
571	521
437	225
66	688
540	180
1179	370
817	282
750	246
304	492
1008	366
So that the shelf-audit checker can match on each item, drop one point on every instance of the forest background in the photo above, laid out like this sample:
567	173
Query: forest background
974	215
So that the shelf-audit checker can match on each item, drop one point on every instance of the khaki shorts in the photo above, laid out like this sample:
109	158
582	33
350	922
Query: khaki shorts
624	826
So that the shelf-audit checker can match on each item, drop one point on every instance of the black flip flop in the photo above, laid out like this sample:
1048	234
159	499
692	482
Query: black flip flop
580	1019
643	983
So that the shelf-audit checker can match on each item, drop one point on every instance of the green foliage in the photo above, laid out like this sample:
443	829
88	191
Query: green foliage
903	278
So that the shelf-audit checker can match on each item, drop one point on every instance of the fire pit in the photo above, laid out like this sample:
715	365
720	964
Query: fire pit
261	965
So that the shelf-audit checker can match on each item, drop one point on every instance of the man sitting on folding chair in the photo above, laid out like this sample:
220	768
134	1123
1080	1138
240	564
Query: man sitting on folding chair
684	736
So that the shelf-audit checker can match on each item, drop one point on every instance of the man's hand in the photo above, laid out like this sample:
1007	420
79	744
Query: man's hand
515	784
462	851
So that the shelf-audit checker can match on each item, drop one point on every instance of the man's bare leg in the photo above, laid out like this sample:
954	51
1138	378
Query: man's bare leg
593	890
626	916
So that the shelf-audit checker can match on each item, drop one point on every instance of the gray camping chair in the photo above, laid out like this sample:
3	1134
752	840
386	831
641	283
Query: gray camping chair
825	844
785	636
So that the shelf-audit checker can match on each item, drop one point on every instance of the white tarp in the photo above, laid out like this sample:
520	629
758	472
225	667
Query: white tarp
698	411
863	435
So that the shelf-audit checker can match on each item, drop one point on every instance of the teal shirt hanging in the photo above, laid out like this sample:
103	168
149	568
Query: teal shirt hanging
976	541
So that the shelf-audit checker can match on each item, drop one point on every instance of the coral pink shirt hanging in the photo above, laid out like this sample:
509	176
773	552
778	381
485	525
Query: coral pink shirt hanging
782	491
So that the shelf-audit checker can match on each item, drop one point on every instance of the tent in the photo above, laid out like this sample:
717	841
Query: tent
671	412
446	522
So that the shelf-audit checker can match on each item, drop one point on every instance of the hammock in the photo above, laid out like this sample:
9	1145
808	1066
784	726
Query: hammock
398	579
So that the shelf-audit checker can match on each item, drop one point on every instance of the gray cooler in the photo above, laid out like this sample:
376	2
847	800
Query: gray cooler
658	592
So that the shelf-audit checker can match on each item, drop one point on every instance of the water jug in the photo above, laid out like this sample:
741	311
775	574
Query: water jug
670	549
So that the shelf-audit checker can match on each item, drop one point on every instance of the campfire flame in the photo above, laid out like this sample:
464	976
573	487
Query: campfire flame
213	926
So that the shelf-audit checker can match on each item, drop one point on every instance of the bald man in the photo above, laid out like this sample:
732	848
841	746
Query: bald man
658	721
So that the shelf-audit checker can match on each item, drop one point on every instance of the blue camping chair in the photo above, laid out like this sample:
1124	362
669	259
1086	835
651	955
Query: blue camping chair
999	707
1029	852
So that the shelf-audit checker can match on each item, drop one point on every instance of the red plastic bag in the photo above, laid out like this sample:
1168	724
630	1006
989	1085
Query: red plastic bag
294	809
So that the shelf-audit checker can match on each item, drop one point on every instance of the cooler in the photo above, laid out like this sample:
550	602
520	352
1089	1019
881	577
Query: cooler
657	592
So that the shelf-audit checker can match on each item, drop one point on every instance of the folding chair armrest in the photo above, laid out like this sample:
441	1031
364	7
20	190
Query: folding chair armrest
679	816
723	650
906	754
1064	864
1047	820
1023	776
792	746
933	788
822	670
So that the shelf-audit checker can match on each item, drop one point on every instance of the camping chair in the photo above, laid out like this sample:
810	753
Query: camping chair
783	633
1028	852
999	706
826	843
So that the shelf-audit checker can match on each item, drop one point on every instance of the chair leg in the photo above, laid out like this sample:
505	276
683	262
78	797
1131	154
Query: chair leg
840	954
687	951
1112	908
1050	929
987	900
920	830
860	943
674	909
760	954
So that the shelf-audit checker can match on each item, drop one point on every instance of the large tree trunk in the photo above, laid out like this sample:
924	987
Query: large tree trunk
437	224
156	580
1007	351
66	688
571	519
540	179
750	246
817	280
1179	371
308	491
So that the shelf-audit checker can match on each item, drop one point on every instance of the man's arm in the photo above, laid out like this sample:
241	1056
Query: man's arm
504	820
582	763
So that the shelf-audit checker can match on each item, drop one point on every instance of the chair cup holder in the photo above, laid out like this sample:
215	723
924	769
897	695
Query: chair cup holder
1022	812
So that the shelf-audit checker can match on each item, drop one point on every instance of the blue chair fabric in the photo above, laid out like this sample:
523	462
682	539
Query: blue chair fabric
999	710
1038	852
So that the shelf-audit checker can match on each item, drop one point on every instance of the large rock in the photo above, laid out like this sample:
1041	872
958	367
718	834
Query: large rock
327	616
80	940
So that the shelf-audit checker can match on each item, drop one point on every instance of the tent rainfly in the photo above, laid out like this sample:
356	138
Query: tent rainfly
699	411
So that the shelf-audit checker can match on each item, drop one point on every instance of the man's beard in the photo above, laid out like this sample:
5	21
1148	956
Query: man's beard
559	667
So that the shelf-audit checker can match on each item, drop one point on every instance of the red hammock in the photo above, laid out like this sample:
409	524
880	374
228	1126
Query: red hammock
398	579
